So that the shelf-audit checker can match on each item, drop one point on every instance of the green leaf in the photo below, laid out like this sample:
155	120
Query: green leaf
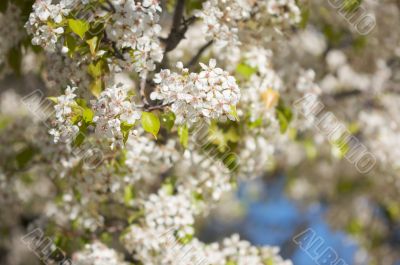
284	115
245	70
78	26
168	187
232	135
96	69
170	5
88	115
150	123
25	156
81	102
53	99
129	195
193	5
15	58
311	150
305	16
233	112
183	133
168	120
125	129
256	123
96	87
4	121
93	43
70	43
79	139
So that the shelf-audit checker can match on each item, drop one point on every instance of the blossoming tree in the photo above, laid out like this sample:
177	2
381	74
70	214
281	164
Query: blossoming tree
148	112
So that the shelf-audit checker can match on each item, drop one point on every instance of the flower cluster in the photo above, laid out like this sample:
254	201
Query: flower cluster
65	129
211	94
130	26
224	21
155	188
171	251
45	22
164	212
147	160
134	25
113	108
203	176
283	11
221	19
97	254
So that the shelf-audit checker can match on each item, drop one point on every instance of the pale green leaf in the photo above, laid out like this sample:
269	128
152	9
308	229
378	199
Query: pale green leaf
183	133
150	123
78	26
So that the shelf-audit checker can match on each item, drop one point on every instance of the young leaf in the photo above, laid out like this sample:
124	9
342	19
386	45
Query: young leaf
284	115
96	87
78	26
70	42
245	70
234	113
53	99
168	120
93	42
96	69
183	133
150	123
88	115
125	129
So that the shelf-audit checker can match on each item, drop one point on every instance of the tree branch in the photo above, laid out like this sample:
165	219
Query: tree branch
196	58
179	27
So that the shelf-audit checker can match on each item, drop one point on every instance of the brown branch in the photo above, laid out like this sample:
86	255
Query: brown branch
345	94
196	58
157	107
179	27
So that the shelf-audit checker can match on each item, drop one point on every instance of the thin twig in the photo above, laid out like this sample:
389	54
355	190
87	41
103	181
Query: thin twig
143	83
196	58
158	107
178	28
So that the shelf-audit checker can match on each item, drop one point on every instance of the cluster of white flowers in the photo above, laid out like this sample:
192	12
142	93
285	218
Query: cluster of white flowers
134	25
153	248
283	11
256	152
97	254
249	254
64	129
221	19
306	85
112	108
343	76
382	132
261	93
45	22
203	175
211	94
164	212
11	30
147	160
131	25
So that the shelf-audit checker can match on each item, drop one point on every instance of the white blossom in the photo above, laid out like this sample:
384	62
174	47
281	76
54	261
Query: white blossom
211	94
